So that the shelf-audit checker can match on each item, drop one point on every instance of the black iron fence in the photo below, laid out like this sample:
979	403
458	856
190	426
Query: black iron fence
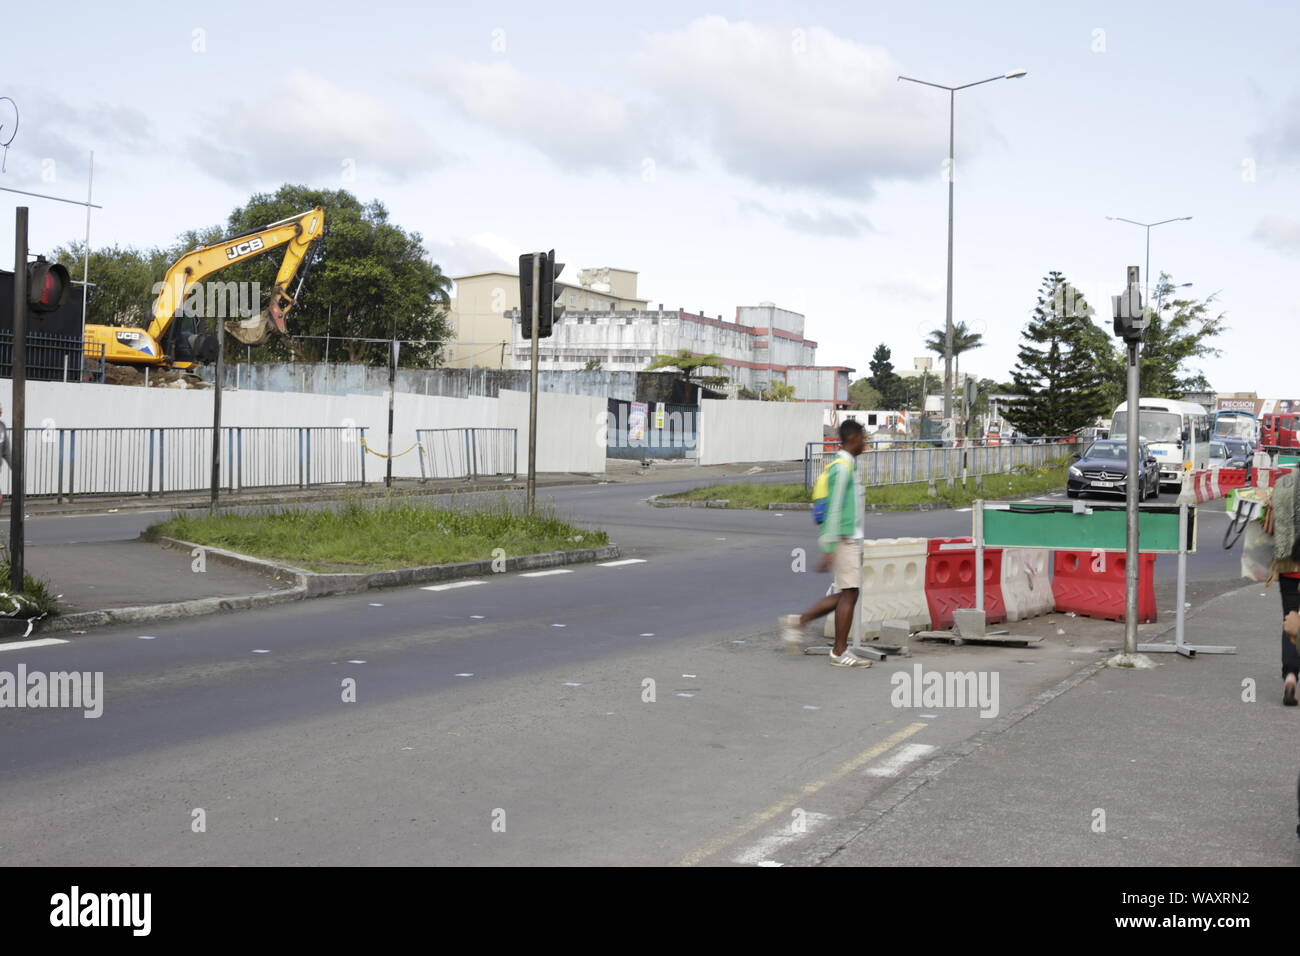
54	358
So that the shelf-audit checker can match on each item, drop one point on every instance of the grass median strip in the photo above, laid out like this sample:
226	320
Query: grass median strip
1037	481
382	537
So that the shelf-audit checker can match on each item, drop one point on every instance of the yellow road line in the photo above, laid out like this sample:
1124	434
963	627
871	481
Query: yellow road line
761	817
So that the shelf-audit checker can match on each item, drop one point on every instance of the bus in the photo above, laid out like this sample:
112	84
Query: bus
1236	423
1178	433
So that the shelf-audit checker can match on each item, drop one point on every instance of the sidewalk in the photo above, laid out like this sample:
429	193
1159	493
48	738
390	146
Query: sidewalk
1187	773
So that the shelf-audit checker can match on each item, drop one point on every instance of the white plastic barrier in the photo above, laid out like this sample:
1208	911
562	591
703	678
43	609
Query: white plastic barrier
893	585
1026	583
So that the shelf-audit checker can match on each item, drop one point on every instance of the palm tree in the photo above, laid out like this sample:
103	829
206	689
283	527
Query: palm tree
689	363
963	340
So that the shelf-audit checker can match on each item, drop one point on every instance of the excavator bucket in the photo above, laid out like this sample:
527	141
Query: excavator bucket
257	330
254	331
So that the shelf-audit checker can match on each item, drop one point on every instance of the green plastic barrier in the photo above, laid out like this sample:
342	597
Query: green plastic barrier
1031	525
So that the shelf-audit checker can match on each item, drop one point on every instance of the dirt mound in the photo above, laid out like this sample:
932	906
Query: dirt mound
158	377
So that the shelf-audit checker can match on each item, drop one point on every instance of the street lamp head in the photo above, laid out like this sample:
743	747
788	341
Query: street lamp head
1014	74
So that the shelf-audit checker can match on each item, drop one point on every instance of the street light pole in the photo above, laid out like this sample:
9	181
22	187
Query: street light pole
951	172
1148	227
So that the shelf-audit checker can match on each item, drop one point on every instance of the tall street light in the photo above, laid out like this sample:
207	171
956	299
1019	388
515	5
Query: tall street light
947	351
1148	226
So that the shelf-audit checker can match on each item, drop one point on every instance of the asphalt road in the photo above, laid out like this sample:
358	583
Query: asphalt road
520	702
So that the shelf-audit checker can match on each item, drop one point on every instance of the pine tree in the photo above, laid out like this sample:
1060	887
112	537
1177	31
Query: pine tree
1062	371
884	379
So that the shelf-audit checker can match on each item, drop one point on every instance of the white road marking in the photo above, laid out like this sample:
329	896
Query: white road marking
761	853
959	510
542	574
476	617
814	706
23	645
464	675
261	652
454	584
619	564
559	625
356	662
146	637
648	634
373	604
684	694
893	765
570	683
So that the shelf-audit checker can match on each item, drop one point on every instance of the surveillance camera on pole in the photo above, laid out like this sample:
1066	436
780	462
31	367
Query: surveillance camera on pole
1131	321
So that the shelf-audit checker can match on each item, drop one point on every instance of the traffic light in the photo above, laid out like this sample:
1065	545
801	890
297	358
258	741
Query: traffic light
47	285
526	295
1131	318
548	294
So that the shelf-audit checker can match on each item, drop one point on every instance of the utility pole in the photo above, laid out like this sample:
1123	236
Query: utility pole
17	498
536	314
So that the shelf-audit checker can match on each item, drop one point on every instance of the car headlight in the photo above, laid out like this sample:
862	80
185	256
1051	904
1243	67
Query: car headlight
1075	472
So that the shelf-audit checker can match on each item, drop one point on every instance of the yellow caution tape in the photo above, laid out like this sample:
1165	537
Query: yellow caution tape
382	455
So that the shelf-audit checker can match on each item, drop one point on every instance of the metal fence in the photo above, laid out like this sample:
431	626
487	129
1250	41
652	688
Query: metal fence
901	462
54	358
66	462
467	452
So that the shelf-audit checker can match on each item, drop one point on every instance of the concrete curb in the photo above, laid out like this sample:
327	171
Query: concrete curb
310	584
659	501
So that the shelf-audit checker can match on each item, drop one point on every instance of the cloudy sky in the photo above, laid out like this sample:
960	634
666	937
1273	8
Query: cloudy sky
731	153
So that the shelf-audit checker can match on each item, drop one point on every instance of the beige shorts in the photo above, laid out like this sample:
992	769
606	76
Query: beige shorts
846	565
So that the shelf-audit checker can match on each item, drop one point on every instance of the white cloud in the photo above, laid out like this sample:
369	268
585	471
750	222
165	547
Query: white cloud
810	110
909	287
582	128
481	252
823	223
316	129
1282	233
48	127
804	109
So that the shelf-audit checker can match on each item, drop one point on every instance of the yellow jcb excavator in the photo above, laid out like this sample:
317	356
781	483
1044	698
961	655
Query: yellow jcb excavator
178	336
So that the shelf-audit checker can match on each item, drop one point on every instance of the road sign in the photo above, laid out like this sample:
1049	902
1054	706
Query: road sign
1096	528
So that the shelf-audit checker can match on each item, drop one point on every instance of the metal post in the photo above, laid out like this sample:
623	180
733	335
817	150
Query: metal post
1132	559
978	535
1180	614
17	451
392	388
216	412
61	431
149	468
532	388
947	344
85	266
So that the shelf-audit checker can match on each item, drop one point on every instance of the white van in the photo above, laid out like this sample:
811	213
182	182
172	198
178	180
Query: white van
1178	433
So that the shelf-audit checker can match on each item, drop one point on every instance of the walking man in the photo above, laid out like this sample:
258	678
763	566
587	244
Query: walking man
841	551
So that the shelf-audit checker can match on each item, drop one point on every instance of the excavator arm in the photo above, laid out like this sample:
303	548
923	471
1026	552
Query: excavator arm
148	347
298	233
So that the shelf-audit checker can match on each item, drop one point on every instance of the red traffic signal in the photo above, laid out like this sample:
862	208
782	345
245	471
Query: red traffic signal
47	285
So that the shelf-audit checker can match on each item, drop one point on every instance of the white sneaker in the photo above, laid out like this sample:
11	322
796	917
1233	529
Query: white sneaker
848	659
791	631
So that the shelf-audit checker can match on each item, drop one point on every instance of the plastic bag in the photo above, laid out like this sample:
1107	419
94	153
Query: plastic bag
1257	553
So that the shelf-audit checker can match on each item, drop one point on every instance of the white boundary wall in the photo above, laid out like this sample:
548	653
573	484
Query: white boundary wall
566	439
737	431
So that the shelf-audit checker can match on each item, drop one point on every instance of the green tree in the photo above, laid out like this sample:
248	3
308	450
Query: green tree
1057	373
963	340
862	394
689	364
1179	333
122	281
779	392
370	279
883	378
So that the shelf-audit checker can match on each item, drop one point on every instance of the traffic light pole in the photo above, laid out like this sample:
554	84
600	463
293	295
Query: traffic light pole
532	387
17	446
1132	561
